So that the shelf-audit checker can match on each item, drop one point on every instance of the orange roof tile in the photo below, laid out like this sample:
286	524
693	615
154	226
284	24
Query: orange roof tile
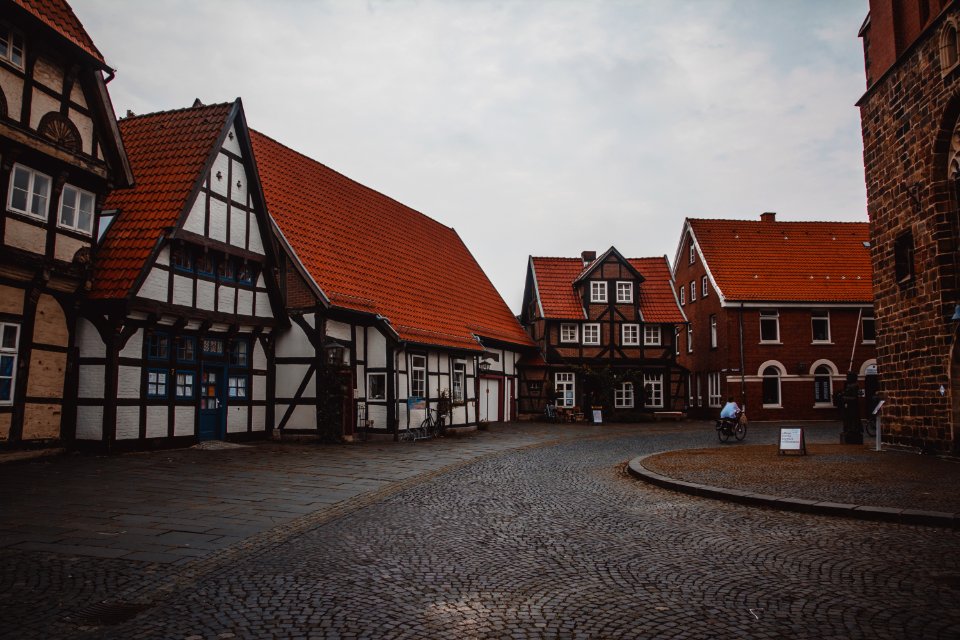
555	277
167	152
756	260
58	15
370	253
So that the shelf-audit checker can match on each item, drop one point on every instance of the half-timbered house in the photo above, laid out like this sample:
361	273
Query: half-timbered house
607	331
396	304
175	342
60	153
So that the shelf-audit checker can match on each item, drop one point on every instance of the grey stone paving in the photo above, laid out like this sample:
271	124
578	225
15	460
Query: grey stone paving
539	542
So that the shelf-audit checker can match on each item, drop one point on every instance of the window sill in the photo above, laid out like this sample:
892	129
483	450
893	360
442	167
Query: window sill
27	214
821	342
869	342
770	342
823	405
773	406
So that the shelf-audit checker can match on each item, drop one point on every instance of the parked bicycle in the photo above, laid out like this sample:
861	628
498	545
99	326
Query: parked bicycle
869	425
432	426
732	427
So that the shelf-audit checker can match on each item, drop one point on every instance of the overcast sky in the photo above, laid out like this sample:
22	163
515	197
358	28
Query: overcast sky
543	128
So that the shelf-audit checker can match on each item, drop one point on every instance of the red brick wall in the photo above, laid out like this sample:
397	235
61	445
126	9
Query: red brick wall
907	120
894	26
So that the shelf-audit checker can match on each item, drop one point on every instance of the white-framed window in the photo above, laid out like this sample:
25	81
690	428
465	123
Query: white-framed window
653	390
869	329
623	396
184	384
29	192
676	342
591	333
693	252
418	376
459	382
624	292
704	286
598	291
568	332
237	386
713	389
376	386
631	334
564	384
651	335
9	339
713	331
690	389
76	209
683	295
823	386
690	338
771	387
769	325
156	383
820	321
699	391
693	291
11	46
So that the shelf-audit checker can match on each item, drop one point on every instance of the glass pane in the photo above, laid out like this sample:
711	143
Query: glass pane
85	216
9	336
6	366
67	204
41	188
6	386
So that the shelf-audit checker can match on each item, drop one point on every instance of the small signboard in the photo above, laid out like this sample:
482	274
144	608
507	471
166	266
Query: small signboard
876	409
792	439
597	416
416	402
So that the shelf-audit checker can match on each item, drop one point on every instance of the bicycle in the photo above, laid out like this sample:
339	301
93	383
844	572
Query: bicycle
433	424
869	425
735	427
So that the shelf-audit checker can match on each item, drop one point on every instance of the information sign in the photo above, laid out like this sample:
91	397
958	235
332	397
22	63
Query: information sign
597	416
792	439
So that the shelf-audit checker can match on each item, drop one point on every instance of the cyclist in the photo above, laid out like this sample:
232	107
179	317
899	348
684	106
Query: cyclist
730	410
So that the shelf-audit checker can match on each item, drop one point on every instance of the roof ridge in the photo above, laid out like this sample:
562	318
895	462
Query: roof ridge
857	222
155	114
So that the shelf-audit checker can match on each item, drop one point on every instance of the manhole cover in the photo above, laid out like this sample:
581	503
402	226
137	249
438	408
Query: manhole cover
106	613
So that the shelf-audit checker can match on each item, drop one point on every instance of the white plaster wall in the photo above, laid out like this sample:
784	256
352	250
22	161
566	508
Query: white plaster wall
89	341
339	330
42	104
163	256
263	305
244	302
238	194
128	423
89	423
197	216
183	419
48	74
225	299
85	127
65	247
303	417
182	290
238	228
205	294
154	286
237	419
24	236
230	143
289	377
361	346
377	413
128	385
256	242
259	391
134	346
278	411
91	381
259	356
294	342
218	220
157	422
259	420
459	414
221	163
13	91
76	95
376	351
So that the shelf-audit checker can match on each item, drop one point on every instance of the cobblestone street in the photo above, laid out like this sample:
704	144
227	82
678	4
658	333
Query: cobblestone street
489	537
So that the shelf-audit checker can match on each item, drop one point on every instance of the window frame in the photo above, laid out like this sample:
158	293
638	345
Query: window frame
76	209
234	388
714	397
623	397
576	332
713	331
863	329
904	257
651	340
705	287
591	328
156	383
653	381
458	382
693	252
598	291
8	52
693	291
12	354
415	379
563	399
818	379
627	328
370	385
770	315
156	340
31	193
689	337
823	316
624	286
185	252
236	358
177	385
683	296
765	378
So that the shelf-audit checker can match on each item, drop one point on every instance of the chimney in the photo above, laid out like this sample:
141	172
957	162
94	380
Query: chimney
768	216
588	257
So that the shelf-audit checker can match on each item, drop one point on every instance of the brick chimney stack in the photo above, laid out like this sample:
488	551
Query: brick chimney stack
768	216
588	257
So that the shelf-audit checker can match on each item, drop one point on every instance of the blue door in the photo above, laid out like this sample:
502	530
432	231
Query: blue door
213	406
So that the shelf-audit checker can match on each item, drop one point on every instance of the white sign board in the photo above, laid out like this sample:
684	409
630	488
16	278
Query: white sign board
597	416
791	439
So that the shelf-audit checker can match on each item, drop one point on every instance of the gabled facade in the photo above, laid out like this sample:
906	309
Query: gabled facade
60	154
910	120
606	330
176	339
390	298
779	313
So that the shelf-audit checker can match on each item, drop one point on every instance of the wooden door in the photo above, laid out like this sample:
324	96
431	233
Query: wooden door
213	406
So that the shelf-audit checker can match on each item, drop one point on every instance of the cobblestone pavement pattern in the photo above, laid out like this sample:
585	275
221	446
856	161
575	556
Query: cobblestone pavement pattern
539	542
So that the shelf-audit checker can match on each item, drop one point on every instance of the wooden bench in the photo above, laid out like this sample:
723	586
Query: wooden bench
667	415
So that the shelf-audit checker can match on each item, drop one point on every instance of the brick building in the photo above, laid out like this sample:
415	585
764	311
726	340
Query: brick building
778	313
909	119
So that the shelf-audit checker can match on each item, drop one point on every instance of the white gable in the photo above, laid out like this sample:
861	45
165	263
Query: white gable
230	143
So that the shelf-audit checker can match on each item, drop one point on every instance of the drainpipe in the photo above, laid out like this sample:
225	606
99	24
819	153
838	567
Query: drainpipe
856	334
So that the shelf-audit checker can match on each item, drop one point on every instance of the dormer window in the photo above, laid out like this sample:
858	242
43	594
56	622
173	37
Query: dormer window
11	46
624	292
598	291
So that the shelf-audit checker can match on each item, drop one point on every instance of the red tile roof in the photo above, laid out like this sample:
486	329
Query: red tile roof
756	260
58	15
370	253
555	277
167	152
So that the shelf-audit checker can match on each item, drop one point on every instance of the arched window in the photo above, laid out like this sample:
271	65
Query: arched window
948	47
822	385
59	130
771	387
